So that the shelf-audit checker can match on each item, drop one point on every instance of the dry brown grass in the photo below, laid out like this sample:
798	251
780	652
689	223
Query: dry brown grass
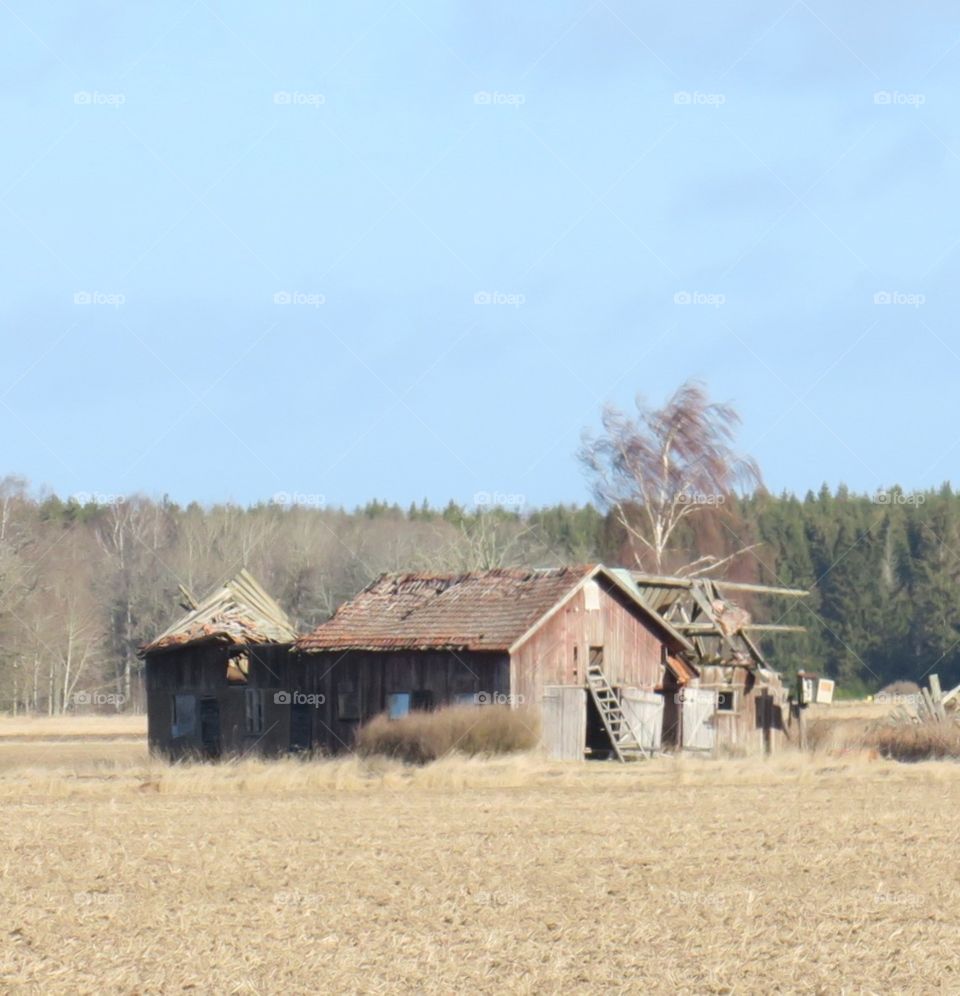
844	726
866	727
420	737
59	743
849	709
71	727
812	874
915	742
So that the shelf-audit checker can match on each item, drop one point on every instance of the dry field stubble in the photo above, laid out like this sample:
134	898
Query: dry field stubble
814	874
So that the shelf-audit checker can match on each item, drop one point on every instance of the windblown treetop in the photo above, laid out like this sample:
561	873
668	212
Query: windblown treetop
657	468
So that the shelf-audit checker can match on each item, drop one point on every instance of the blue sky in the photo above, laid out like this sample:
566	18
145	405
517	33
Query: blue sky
407	250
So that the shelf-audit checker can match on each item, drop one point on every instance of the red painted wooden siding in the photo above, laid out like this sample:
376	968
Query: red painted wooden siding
558	651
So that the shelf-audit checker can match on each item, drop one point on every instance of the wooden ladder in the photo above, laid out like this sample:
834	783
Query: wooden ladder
626	743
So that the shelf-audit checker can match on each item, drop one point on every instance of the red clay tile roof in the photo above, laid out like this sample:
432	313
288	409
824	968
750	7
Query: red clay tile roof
486	610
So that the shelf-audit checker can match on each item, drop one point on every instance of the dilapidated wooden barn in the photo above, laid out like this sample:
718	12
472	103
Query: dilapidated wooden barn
576	645
209	676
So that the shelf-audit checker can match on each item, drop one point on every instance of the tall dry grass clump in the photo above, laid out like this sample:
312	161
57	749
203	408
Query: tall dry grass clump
915	742
421	737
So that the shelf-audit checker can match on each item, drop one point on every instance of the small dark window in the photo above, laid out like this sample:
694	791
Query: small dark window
183	715
421	700
726	700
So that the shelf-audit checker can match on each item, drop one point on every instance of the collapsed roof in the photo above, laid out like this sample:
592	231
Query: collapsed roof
240	612
719	629
482	611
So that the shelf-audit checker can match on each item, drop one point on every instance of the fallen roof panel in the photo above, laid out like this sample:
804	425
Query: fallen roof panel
239	612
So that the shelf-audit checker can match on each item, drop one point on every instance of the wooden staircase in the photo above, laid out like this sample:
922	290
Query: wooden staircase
626	743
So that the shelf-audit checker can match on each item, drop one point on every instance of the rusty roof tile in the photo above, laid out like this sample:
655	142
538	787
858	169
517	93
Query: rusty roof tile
481	611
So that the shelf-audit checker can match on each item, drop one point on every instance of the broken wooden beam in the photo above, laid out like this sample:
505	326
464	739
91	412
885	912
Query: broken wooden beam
665	581
928	702
951	695
696	627
937	695
762	589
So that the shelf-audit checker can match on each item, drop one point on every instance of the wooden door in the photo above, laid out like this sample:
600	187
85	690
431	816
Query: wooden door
644	713
564	721
698	709
210	727
301	726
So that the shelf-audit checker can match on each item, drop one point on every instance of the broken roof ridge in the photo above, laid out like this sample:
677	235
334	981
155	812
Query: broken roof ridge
519	572
237	611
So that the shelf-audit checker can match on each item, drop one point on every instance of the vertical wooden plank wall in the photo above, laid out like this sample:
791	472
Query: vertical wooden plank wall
557	652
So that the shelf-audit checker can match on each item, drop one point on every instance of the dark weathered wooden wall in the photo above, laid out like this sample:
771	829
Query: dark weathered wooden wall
313	688
201	671
439	677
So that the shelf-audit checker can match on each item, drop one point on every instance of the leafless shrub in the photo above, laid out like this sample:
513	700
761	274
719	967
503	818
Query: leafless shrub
901	688
421	737
915	741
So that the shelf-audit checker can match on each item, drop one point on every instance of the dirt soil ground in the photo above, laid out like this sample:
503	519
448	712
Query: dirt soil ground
800	874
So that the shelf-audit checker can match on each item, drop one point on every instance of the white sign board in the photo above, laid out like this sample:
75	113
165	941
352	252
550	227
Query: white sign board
825	691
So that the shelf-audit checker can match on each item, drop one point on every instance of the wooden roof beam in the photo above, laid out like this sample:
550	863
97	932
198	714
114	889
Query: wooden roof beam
663	581
695	627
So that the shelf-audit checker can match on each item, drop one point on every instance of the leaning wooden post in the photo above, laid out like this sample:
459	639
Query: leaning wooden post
803	697
936	695
929	703
766	711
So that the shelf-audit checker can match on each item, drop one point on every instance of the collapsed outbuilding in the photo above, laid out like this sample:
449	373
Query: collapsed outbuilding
208	674
738	701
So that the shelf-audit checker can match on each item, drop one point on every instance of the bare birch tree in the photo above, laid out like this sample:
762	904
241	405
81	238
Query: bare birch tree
658	468
131	534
